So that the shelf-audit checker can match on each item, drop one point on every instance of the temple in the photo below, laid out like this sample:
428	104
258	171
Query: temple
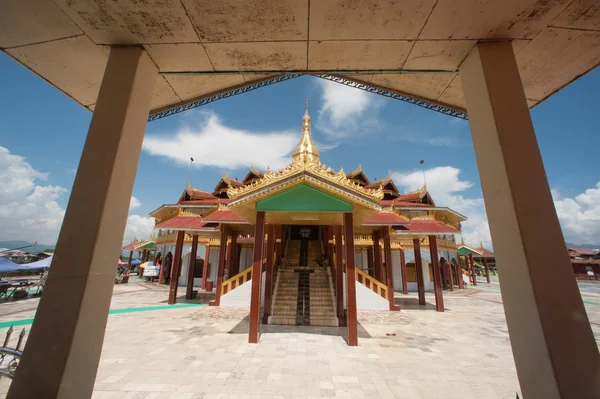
330	243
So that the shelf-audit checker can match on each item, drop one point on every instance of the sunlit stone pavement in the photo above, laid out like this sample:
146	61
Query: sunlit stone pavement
155	351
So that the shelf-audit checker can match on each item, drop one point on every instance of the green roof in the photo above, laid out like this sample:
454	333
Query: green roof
303	198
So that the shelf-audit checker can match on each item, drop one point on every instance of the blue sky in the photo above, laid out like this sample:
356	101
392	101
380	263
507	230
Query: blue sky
42	133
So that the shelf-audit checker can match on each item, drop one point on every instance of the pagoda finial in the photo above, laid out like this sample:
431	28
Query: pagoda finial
462	240
306	150
481	244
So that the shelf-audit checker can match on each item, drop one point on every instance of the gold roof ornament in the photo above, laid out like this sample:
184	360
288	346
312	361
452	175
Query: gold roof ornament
306	150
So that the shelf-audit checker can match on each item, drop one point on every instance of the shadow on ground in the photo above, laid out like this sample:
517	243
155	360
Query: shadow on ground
242	328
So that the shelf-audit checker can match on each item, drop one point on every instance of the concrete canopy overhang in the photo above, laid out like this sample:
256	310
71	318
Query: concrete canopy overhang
413	48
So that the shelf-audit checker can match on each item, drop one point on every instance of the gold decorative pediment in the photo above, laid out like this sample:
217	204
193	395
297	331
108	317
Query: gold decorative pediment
313	168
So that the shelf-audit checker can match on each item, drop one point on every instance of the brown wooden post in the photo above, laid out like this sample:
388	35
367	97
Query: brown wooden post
450	276
205	273
220	266
377	256
339	275
403	271
269	273
487	270
419	267
175	268
437	274
130	258
190	277
387	248
259	238
473	270
351	314
459	273
161	273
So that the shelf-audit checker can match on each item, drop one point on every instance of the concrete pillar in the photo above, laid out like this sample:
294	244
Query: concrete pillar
378	260
387	249
259	238
175	268
437	274
61	362
403	271
269	273
220	267
555	353
191	266
339	275
351	314
205	268
419	267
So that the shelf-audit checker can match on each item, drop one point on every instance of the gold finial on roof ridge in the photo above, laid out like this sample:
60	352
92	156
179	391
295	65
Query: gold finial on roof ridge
306	150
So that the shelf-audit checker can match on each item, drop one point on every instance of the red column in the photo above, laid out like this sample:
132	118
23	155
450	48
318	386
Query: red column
259	238
473	271
487	270
330	242
231	255
269	273
205	268
220	266
339	275
190	276
387	248
403	271
161	273
419	267
370	263
459	274
378	260
351	314
437	274
175	268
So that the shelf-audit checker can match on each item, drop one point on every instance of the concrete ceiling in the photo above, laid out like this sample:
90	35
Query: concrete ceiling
66	42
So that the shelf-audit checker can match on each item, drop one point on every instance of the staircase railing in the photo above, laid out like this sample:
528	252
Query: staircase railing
236	281
371	283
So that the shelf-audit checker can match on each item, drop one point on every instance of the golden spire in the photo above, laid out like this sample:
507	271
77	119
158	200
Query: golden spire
306	149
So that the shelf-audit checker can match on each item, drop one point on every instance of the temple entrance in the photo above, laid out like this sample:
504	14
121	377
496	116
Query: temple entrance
304	293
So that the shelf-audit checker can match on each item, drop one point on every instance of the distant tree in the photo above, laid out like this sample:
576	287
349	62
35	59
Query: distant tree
50	250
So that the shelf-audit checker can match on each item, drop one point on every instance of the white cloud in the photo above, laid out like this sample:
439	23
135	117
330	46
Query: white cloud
346	111
28	211
139	227
442	141
446	188
580	216
211	143
134	203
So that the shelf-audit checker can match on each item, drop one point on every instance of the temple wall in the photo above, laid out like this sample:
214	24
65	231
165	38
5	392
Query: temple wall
366	299
397	270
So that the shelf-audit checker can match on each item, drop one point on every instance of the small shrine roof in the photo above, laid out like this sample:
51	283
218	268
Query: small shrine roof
584	251
138	245
485	253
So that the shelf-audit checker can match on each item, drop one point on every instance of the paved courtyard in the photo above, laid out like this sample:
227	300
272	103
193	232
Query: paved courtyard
153	350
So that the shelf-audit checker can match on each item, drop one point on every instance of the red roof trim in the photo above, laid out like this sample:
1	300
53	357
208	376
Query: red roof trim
182	223
430	226
386	219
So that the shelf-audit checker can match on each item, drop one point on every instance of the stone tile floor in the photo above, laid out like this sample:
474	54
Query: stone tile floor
158	351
